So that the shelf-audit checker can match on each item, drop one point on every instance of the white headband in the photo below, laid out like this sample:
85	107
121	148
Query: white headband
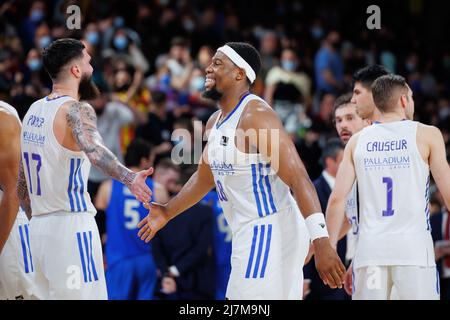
239	61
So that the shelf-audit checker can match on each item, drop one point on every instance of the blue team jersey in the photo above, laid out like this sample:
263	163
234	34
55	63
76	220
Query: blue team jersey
122	217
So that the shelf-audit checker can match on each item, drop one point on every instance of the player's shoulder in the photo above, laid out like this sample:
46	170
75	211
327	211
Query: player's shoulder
427	131
10	122
212	119
256	112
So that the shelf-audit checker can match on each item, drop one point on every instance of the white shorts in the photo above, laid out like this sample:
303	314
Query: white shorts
410	282
16	262
267	258
67	256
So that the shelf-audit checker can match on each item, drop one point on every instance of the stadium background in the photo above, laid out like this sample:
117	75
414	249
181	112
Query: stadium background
151	56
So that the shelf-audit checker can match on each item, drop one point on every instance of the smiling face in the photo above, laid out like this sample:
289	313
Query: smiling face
221	75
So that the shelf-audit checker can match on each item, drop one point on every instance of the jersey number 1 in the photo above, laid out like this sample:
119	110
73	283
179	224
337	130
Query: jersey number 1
37	158
389	186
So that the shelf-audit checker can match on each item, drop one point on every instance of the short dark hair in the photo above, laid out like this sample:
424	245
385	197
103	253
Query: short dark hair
136	151
340	102
59	53
331	150
386	89
367	75
248	53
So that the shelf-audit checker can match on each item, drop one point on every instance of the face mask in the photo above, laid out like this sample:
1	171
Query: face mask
44	42
197	84
165	80
93	37
120	42
317	32
289	65
188	25
410	66
119	22
37	15
34	64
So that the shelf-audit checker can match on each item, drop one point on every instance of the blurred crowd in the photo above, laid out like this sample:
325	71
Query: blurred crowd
149	60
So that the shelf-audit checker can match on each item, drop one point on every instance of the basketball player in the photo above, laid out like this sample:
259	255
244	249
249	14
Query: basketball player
253	178
59	142
131	272
16	260
391	161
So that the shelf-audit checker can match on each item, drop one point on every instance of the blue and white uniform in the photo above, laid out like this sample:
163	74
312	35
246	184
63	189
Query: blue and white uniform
270	238
394	242
351	211
16	260
65	241
131	272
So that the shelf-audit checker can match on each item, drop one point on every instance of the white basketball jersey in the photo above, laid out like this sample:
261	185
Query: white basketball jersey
56	177
247	186
393	182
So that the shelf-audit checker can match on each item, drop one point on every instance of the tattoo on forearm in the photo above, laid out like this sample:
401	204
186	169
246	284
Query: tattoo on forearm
22	192
83	122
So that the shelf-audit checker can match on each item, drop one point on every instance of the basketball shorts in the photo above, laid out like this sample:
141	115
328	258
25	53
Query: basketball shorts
16	262
67	256
410	282
267	258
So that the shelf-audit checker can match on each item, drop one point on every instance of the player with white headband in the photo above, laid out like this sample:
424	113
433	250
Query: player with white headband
254	175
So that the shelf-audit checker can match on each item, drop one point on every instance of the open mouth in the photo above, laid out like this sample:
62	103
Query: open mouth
209	83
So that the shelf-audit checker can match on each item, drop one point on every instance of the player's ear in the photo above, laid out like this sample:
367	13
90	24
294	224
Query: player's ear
76	70
404	101
240	74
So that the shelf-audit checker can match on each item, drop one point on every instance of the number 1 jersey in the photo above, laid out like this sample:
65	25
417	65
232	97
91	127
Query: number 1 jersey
56	176
393	181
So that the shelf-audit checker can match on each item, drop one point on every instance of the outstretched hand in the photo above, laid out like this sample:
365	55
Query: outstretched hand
155	220
139	188
328	264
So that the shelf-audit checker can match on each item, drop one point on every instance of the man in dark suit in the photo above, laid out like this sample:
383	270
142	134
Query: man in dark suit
440	231
183	252
331	158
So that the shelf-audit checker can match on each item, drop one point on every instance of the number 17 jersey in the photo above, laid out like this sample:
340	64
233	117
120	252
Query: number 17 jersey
56	176
393	181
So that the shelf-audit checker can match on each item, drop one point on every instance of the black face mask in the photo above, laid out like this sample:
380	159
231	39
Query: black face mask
87	89
212	94
336	46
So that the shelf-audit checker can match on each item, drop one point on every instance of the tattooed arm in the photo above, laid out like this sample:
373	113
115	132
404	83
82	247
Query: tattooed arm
22	192
82	121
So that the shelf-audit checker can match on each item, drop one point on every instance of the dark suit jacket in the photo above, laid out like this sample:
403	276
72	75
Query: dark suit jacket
186	242
319	291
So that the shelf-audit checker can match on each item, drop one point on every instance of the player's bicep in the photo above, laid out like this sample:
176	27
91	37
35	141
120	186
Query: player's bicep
82	121
438	164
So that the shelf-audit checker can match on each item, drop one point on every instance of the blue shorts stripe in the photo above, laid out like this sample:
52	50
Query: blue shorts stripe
80	248
255	191
260	248
69	189
266	253
24	250
269	190
82	187
252	252
261	187
438	288
29	248
88	256
75	182
94	272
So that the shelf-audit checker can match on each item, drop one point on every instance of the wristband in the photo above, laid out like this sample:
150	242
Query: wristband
316	226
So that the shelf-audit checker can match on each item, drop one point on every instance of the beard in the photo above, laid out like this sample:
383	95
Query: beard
212	94
87	89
